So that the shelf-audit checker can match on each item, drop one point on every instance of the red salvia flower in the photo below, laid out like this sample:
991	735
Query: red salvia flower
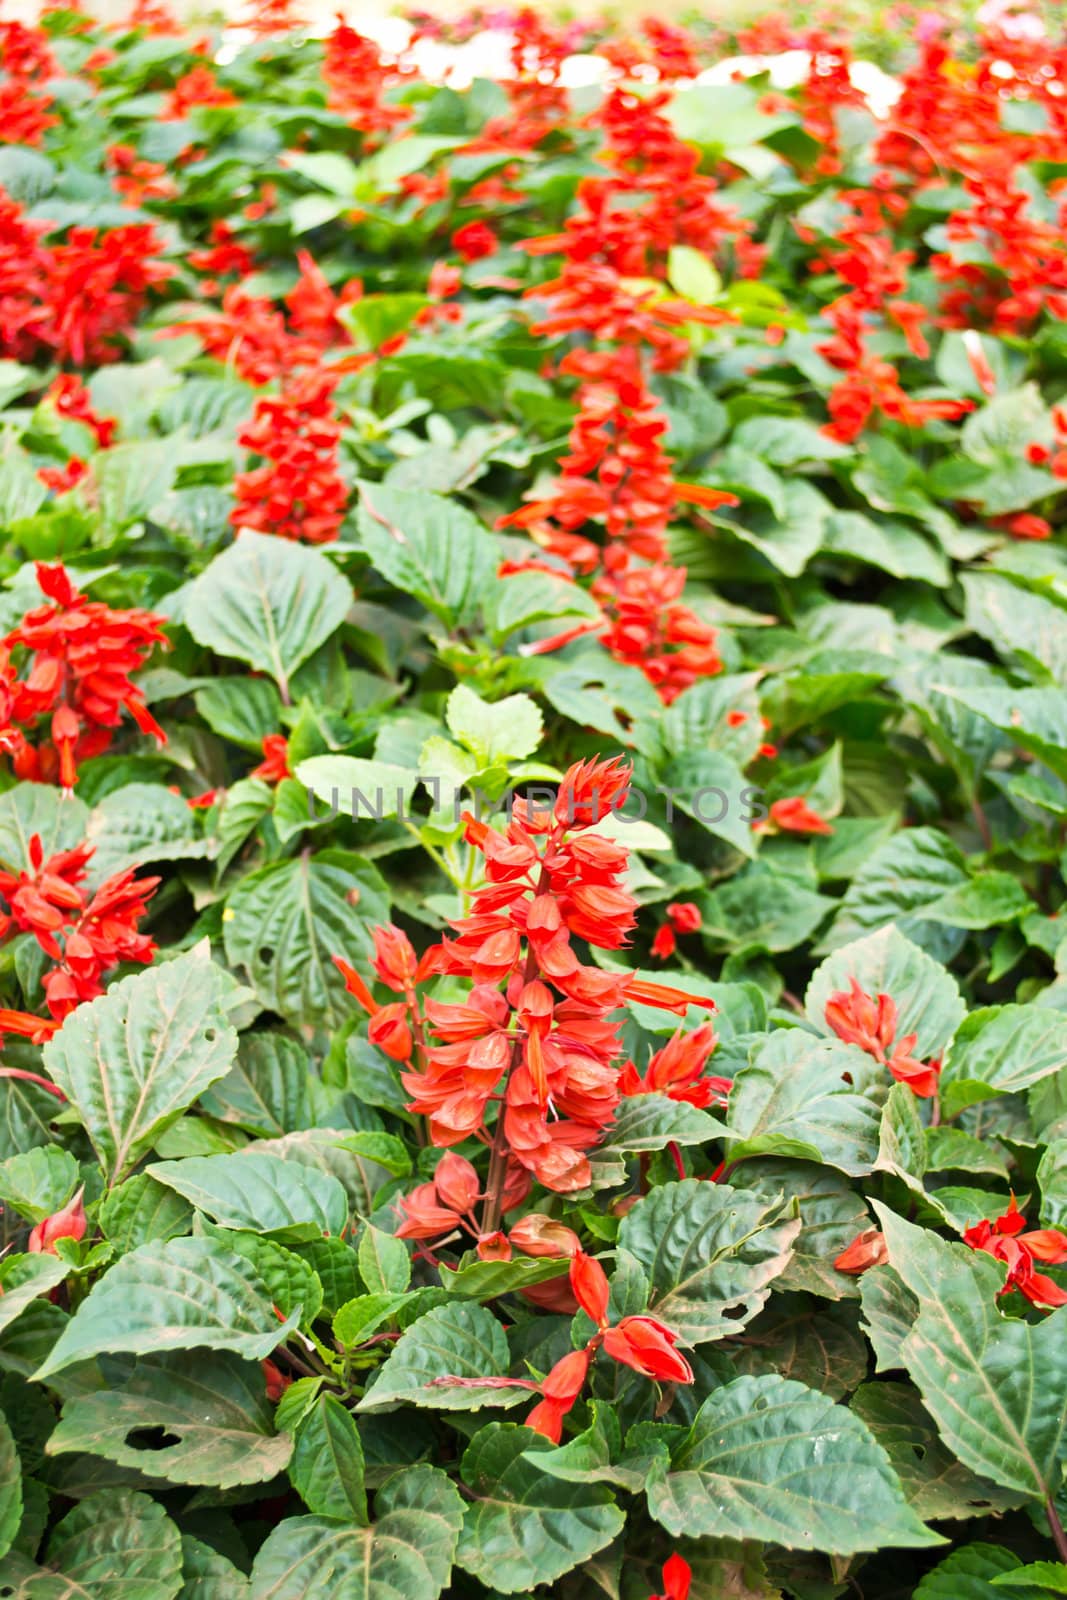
871	1023
646	1345
794	815
275	764
298	492
677	1577
868	1249
1006	1240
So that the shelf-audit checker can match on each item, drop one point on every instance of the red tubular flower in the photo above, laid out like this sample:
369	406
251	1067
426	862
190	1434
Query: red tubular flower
71	399
82	654
424	1216
389	1030
560	1389
921	1077
647	1346
677	1577
664	944
794	815
298	492
456	1182
590	1287
868	1249
858	1019
538	1235
277	1381
684	916
677	1071
275	764
67	1223
1006	1240
475	240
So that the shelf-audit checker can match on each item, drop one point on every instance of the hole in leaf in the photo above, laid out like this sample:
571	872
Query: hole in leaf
735	1313
157	1438
210	1035
266	955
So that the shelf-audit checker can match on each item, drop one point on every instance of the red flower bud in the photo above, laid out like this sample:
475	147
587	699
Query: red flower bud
456	1182
590	1287
868	1249
68	1223
390	1032
648	1347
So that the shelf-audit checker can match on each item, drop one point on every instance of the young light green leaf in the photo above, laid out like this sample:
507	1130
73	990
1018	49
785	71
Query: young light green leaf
38	1182
384	1262
500	730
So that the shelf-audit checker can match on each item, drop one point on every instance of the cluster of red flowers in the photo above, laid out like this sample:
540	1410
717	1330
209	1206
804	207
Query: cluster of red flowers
25	65
298	492
80	656
84	936
543	1047
71	399
617	474
73	301
871	1022
357	79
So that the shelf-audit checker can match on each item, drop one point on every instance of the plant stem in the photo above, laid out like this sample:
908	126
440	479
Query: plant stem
1059	1538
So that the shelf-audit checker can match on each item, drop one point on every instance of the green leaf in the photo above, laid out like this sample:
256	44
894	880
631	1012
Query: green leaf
692	275
363	1315
356	788
992	1386
485	1280
1045	1574
646	1122
22	1279
10	1488
971	1572
1017	622
384	1263
138	823
458	1340
243	710
56	814
209	1576
713	790
937	1486
927	999
710	1252
290	919
132	478
327	1465
406	1554
267	1090
429	547
767	1458
505	730
141	1209
131	1061
1001	1050
1034	719
267	601
814	1100
525	1528
526	598
260	1193
39	1182
116	1545
786	441
911	871
213	1414
181	1294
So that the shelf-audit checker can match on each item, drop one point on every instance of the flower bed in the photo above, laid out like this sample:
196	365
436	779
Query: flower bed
534	643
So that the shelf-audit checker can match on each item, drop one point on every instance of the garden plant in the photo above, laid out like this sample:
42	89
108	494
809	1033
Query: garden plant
533	812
